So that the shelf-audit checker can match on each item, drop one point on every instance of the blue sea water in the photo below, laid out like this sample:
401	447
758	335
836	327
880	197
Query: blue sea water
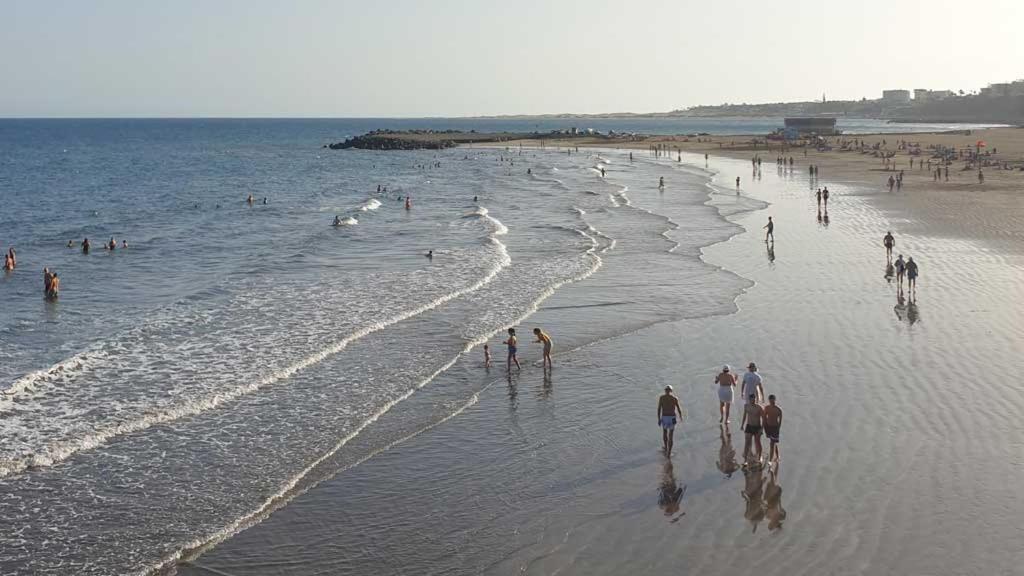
182	382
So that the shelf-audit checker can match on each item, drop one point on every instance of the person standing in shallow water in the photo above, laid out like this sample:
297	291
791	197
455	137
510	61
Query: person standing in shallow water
546	340
911	275
889	242
752	425
512	344
770	226
668	410
772	425
726	386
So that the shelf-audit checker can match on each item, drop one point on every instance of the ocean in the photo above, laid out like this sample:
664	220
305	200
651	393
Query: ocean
184	387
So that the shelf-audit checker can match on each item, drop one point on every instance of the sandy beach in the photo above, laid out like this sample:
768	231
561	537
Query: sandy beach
900	444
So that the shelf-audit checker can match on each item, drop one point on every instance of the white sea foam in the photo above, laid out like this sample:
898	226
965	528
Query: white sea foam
371	204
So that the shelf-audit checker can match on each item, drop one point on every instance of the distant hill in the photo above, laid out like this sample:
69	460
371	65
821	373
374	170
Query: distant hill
972	108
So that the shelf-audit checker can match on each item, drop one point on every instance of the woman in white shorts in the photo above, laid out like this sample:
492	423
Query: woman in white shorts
726	381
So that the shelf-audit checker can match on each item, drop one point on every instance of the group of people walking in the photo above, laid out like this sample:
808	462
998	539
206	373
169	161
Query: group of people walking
758	417
902	268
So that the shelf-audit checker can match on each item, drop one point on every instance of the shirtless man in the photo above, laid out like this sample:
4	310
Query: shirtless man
772	425
668	410
888	241
751	425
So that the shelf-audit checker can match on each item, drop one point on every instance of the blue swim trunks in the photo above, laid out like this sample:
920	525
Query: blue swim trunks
668	422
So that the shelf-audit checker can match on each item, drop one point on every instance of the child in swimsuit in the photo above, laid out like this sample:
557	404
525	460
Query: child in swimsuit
512	342
487	356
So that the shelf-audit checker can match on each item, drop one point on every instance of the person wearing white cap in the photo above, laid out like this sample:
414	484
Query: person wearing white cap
726	381
668	408
752	384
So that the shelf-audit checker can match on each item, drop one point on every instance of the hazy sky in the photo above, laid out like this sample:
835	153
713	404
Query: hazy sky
456	58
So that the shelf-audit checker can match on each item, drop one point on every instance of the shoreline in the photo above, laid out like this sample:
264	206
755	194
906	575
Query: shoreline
612	472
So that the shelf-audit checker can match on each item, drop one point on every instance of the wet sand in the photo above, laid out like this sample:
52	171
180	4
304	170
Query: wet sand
900	445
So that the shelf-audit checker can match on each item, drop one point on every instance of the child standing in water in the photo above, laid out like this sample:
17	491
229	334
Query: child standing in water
487	356
512	342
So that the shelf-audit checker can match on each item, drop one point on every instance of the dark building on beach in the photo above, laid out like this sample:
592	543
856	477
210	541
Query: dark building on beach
820	125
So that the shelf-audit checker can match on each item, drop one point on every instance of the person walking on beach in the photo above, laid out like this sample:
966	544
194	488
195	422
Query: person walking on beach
737	182
818	194
911	275
726	385
752	384
772	426
512	343
824	196
770	226
892	182
546	340
752	425
888	241
901	268
668	410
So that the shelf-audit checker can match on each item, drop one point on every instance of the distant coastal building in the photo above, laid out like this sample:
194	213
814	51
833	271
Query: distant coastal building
1004	89
819	125
896	96
925	95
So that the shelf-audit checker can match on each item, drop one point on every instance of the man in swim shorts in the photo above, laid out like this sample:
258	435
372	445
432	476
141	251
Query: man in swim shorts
888	241
543	337
668	409
726	383
752	420
772	425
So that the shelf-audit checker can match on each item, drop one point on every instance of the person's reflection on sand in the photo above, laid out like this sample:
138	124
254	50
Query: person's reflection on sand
819	216
825	220
901	307
545	389
670	495
912	315
774	511
513	393
890	271
752	494
771	253
726	453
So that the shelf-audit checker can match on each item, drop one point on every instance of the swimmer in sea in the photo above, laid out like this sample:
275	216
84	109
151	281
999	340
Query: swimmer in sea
512	342
86	246
112	245
250	199
661	182
408	203
668	411
124	243
487	356
71	243
543	337
430	254
54	289
337	221
602	172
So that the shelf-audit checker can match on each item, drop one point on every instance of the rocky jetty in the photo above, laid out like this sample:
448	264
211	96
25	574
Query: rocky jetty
440	139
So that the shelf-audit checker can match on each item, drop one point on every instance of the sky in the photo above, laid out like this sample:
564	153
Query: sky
401	58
